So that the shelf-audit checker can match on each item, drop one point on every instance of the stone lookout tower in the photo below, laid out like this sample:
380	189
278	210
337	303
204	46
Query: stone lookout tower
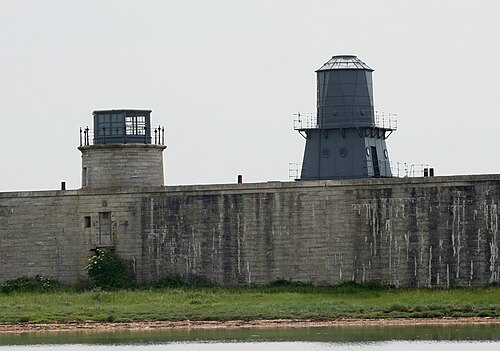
122	150
345	138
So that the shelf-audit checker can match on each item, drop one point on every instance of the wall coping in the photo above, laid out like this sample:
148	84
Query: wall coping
121	146
455	180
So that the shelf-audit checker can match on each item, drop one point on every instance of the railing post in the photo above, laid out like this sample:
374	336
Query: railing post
156	133
145	135
80	136
86	136
162	135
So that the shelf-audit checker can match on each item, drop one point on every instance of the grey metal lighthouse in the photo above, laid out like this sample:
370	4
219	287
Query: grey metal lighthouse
345	138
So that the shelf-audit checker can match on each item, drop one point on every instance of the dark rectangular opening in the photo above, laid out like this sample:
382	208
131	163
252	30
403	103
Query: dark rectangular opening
84	177
86	222
105	235
376	168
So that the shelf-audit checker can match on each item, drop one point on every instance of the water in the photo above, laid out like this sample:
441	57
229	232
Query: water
411	338
289	346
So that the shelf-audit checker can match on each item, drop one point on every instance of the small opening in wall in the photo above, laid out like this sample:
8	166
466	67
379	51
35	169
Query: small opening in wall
86	221
84	177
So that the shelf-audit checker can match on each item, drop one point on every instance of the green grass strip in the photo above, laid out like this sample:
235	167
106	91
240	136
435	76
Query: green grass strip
217	303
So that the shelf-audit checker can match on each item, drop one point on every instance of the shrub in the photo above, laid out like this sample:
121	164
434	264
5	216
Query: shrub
84	283
29	284
172	281
286	283
198	281
107	270
351	287
177	281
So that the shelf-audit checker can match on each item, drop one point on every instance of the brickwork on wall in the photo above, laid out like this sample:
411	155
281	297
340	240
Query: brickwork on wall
439	231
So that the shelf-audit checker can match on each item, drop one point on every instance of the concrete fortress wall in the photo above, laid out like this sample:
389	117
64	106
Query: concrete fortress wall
440	231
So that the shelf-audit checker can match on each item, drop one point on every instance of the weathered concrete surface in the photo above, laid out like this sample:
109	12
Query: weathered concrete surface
122	165
440	231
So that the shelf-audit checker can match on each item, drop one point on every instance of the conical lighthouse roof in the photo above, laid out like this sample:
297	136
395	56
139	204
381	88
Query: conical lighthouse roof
344	62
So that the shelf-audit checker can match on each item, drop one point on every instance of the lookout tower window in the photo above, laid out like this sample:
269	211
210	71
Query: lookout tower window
122	126
135	125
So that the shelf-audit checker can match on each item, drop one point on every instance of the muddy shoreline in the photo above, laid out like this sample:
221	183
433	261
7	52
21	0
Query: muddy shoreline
20	328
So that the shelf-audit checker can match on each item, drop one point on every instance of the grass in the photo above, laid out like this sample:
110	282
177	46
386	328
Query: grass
217	303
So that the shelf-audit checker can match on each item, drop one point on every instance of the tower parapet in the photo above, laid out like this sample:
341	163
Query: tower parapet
122	150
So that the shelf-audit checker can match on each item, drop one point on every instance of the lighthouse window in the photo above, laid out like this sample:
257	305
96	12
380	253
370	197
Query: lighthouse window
135	125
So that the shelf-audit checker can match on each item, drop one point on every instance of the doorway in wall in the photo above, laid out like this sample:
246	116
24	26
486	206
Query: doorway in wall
105	237
376	168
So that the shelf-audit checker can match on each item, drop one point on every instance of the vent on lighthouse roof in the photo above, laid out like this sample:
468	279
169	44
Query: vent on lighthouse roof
344	62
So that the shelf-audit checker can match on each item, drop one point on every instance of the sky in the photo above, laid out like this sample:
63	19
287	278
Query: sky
225	78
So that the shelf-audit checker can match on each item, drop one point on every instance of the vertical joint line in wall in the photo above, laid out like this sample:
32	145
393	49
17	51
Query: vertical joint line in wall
239	244
430	267
471	272
151	214
249	274
415	265
447	276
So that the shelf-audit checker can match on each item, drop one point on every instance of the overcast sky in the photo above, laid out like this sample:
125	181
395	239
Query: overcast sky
226	76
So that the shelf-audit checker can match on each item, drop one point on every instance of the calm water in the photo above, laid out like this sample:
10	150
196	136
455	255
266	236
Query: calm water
289	346
484	338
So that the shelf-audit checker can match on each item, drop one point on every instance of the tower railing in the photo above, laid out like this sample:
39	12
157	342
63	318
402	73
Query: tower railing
382	120
302	121
397	169
386	120
403	169
294	170
120	136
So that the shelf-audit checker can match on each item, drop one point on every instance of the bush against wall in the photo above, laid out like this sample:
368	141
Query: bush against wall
177	281
108	270
29	284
